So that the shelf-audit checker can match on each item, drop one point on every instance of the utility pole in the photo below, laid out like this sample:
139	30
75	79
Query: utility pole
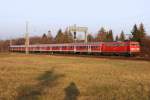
27	39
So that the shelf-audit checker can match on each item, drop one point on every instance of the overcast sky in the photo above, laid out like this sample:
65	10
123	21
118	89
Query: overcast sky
44	15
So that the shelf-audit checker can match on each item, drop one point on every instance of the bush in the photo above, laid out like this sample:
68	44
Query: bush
145	47
4	46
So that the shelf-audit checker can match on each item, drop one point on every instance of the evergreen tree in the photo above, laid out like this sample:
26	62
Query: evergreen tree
44	36
44	39
50	37
117	38
68	37
101	36
135	33
109	36
122	36
142	33
59	37
138	33
90	38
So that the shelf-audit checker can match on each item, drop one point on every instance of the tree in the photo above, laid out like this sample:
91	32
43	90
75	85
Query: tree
138	33
90	38
50	37
44	36
19	41
68	37
44	39
109	36
59	37
122	36
101	36
117	38
4	45
135	33
35	40
142	33
145	47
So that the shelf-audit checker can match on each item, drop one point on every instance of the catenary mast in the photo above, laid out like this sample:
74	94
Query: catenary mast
27	39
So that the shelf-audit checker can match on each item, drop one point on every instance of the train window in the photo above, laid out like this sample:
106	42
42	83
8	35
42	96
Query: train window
116	44
95	47
134	44
109	44
121	44
81	47
86	47
125	44
64	47
71	47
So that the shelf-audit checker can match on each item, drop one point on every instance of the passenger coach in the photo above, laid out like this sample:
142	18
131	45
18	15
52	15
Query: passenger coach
116	48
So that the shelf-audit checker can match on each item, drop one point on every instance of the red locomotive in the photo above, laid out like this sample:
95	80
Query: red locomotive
116	48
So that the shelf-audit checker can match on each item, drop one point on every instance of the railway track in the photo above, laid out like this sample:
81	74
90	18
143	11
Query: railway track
105	57
95	56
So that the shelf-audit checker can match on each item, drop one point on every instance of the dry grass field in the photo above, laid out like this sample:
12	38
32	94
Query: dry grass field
45	77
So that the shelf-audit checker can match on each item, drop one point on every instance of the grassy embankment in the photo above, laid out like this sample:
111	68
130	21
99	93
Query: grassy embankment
44	77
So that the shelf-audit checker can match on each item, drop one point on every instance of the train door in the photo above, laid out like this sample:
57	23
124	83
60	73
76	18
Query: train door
74	49
89	48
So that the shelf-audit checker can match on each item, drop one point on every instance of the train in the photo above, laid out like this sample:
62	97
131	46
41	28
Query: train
127	48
